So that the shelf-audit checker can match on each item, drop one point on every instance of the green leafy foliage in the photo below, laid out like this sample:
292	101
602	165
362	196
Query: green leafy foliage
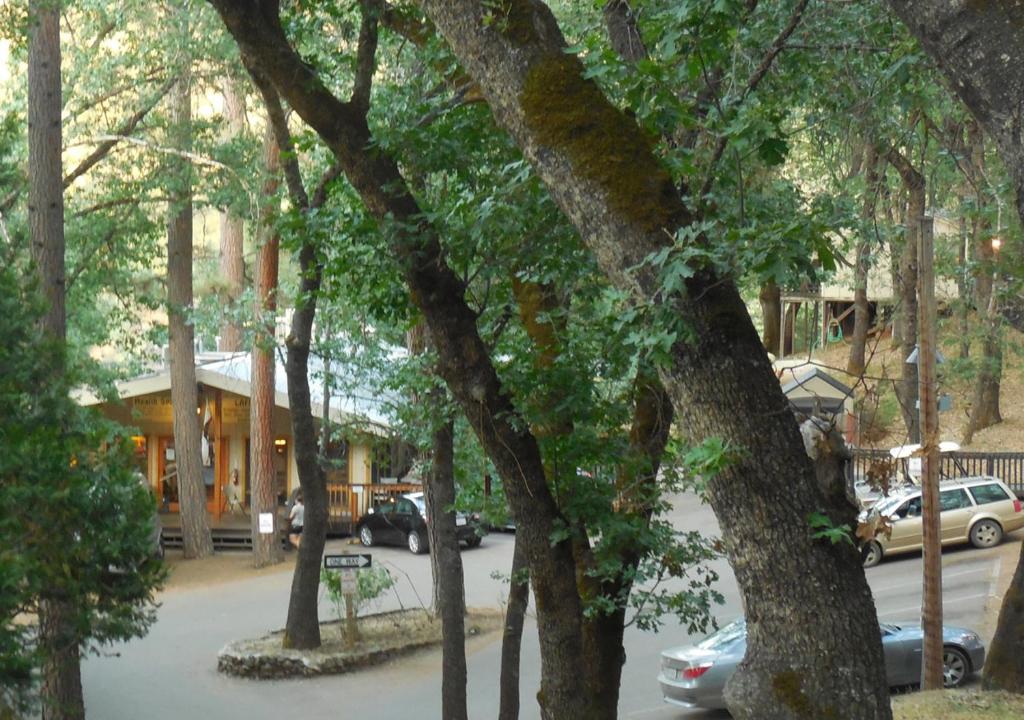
823	528
371	584
79	525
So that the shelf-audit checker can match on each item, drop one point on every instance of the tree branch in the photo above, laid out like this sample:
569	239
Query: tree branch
320	194
366	55
8	202
755	79
133	84
127	128
283	137
106	205
623	33
419	33
910	175
83	262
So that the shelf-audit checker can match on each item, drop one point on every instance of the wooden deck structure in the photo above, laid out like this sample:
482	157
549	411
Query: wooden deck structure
346	504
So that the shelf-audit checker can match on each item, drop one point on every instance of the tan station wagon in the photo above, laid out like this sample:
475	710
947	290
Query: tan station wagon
978	510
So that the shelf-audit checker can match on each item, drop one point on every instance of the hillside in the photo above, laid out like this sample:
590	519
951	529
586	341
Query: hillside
955	380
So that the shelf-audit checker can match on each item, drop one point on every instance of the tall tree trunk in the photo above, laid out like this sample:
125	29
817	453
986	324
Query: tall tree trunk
232	227
1004	666
635	484
963	290
61	689
512	636
906	388
46	198
770	297
266	548
980	49
722	383
195	527
302	628
444	545
985	406
536	91
449	602
861	309
895	251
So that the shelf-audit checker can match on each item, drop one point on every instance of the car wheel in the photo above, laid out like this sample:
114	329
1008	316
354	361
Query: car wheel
986	533
955	667
366	535
474	541
415	543
871	554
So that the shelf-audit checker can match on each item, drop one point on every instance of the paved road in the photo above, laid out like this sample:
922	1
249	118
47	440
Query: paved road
171	674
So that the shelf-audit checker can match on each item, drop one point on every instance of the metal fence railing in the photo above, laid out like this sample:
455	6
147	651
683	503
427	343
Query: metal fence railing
1007	466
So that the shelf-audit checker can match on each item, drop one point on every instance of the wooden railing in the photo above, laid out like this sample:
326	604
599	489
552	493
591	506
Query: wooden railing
347	503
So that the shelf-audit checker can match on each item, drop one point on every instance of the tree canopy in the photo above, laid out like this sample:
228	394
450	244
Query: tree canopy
581	203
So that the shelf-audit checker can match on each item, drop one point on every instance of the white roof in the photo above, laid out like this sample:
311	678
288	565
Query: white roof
351	402
904	451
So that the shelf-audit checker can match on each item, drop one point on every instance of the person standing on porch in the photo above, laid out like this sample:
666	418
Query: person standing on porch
233	494
296	519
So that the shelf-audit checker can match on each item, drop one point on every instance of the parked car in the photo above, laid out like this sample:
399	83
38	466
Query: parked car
403	521
695	675
868	496
978	510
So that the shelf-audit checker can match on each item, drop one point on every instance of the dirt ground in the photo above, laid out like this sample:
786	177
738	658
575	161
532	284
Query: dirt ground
222	568
957	705
885	365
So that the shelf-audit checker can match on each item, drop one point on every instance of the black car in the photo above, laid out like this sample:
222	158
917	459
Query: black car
403	521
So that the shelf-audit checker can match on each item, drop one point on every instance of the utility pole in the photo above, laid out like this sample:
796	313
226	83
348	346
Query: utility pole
931	605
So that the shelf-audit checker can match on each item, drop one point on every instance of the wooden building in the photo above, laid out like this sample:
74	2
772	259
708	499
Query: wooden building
814	316
368	455
810	390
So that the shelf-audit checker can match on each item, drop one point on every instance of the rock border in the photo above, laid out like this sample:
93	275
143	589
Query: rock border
264	658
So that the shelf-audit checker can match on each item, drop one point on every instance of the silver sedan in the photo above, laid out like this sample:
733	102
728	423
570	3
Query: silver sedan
695	675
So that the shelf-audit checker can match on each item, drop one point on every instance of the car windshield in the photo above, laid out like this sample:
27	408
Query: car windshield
889	504
726	636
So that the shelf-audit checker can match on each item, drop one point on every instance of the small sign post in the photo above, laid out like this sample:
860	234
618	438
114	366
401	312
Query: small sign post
349	566
339	562
349	588
266	523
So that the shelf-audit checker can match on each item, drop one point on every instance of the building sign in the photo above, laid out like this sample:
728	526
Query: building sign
153	407
236	409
